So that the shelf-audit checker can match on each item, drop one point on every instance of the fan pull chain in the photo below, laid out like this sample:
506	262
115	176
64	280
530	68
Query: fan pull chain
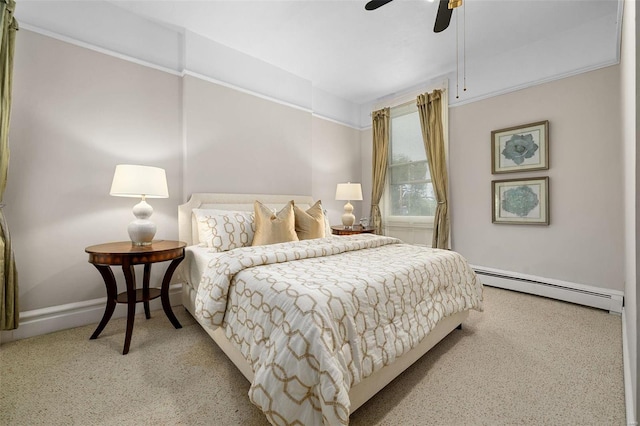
457	60
464	46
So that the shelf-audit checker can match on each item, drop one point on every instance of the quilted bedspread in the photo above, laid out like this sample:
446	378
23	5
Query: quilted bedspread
315	317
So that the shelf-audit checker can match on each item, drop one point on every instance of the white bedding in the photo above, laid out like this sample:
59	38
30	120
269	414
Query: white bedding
198	258
313	318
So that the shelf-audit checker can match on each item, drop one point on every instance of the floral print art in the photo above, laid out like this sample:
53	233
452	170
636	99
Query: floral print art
520	147
520	200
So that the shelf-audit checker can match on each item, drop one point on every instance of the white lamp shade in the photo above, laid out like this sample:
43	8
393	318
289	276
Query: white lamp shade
140	181
349	191
135	181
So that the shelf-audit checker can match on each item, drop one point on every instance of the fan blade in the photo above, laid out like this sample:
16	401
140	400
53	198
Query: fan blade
443	18
374	4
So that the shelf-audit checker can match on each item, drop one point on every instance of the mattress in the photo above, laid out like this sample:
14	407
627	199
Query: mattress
198	258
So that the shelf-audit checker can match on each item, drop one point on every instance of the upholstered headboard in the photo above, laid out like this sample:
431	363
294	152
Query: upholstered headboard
188	228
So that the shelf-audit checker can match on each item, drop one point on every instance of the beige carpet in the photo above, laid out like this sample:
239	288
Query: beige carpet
524	361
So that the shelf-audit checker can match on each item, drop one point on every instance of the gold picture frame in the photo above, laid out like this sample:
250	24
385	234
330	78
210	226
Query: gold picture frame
520	201
520	148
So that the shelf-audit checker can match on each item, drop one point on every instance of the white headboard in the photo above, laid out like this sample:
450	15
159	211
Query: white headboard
188	228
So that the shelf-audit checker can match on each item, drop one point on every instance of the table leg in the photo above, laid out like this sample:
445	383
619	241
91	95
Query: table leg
130	278
112	294
145	289
164	292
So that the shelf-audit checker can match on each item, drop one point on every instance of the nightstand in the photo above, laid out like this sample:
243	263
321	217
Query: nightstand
355	229
127	255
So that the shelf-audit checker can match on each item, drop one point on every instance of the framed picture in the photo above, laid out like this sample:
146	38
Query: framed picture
521	201
520	148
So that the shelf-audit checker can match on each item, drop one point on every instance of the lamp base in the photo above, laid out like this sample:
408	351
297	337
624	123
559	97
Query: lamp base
142	230
348	219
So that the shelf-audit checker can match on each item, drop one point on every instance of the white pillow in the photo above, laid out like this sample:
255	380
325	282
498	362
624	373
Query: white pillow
225	230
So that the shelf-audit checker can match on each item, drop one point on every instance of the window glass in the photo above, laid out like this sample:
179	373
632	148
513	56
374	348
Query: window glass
409	191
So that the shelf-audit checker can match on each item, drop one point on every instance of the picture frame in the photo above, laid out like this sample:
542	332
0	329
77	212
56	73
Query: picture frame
520	148
520	201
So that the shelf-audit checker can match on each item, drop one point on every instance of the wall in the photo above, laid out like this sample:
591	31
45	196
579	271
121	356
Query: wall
76	114
631	155
336	154
240	143
580	189
584	242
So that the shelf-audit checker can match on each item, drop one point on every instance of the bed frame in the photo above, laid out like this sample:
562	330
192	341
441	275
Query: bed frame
188	232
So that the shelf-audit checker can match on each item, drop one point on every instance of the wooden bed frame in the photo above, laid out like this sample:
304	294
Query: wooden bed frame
188	232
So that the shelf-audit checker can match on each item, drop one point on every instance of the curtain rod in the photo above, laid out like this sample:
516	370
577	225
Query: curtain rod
407	97
401	98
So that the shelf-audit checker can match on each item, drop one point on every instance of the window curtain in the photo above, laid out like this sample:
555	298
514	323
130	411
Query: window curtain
380	120
9	311
430	111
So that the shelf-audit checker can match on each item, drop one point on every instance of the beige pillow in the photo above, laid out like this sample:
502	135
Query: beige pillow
310	223
274	228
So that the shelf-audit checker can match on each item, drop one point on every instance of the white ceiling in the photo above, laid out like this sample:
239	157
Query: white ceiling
334	57
362	55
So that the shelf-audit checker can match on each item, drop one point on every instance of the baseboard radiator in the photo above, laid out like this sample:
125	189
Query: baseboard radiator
596	297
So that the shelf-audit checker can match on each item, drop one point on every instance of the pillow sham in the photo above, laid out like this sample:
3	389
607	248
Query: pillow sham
310	223
225	230
272	228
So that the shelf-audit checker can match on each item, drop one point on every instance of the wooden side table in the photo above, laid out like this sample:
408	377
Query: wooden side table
355	229
125	254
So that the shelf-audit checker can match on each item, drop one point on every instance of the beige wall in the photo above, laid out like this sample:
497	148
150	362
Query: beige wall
76	114
240	143
628	96
584	242
336	158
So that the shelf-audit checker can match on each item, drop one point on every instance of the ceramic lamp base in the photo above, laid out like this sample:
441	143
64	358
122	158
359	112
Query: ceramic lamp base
142	230
348	219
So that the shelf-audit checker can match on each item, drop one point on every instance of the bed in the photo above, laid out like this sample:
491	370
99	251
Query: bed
318	326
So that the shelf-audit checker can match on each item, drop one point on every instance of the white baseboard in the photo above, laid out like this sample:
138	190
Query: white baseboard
56	318
629	397
581	294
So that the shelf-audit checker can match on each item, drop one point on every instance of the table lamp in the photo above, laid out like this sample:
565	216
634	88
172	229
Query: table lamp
145	182
348	192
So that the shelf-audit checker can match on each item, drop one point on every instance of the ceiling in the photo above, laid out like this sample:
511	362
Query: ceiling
362	55
292	48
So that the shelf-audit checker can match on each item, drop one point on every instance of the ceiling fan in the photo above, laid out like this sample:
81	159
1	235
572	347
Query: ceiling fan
443	17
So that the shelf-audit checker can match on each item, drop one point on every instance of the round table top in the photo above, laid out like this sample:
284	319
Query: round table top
355	229
127	247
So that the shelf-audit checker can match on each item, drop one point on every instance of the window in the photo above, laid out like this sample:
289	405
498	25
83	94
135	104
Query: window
409	192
